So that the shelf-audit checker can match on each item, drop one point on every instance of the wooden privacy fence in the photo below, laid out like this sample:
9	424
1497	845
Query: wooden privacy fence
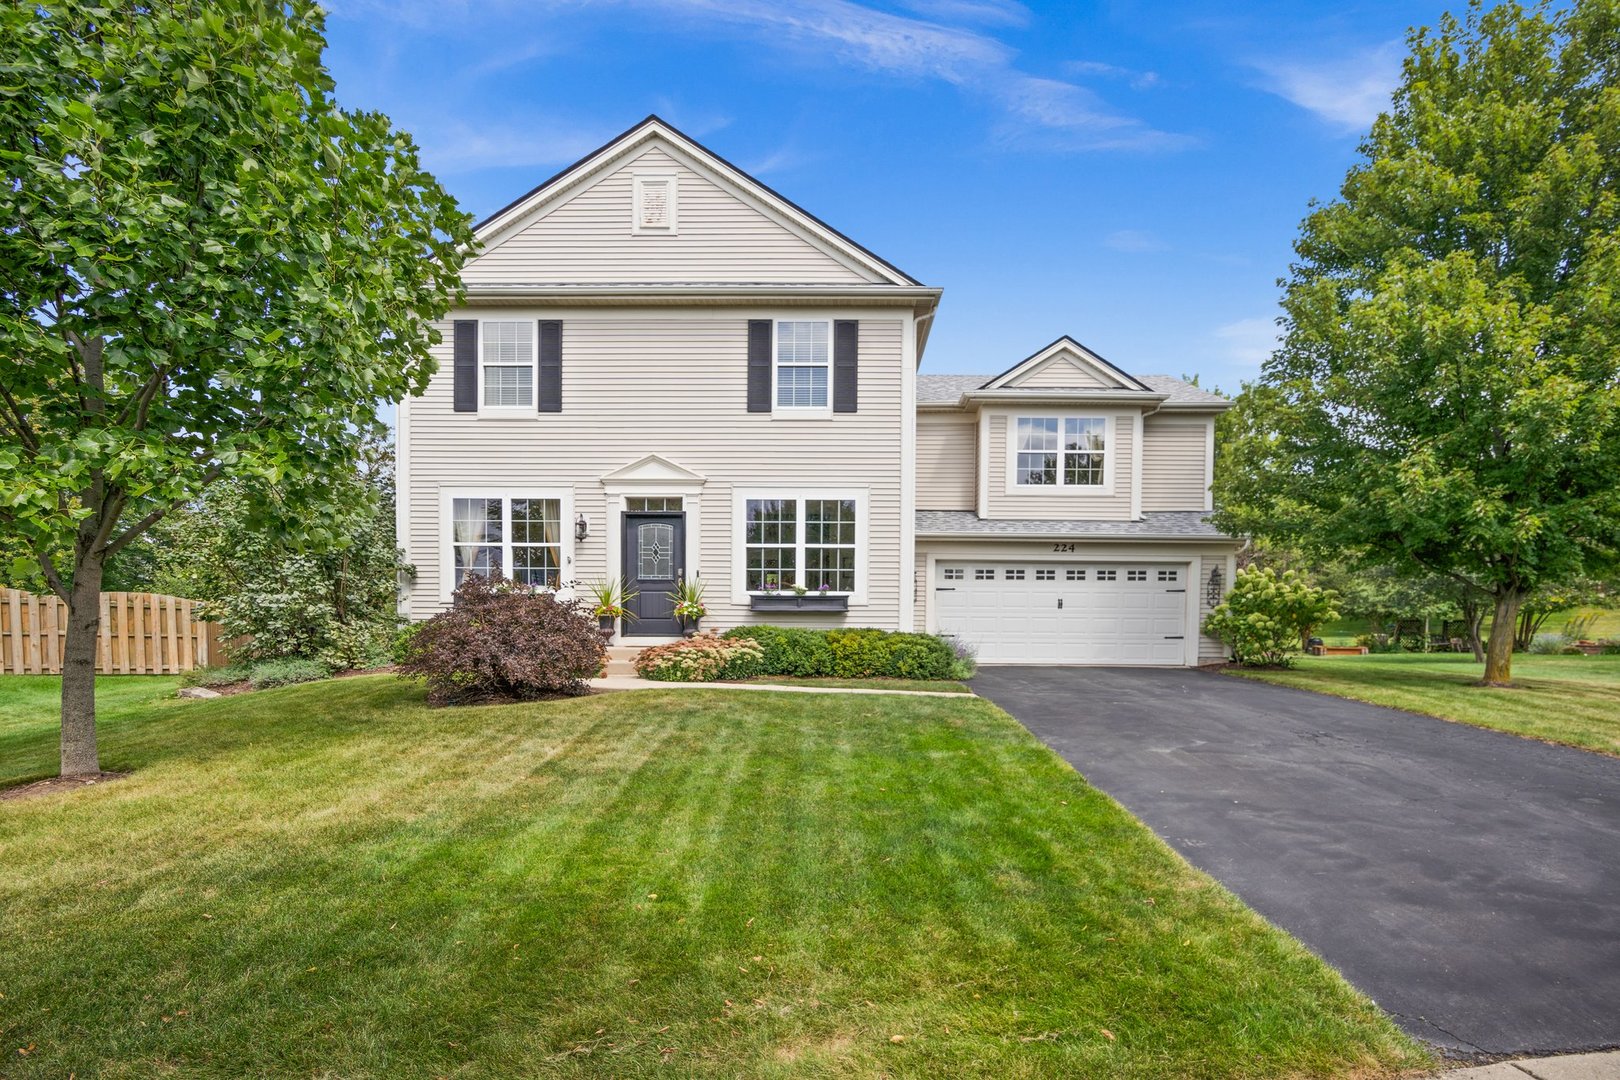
141	634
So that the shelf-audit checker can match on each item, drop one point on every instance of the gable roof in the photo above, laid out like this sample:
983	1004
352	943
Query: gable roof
1065	344
506	220
948	390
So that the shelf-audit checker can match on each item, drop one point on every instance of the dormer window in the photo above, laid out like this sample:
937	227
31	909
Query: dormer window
1065	452
654	203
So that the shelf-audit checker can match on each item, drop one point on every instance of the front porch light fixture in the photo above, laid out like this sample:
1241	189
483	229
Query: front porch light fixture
582	528
1215	586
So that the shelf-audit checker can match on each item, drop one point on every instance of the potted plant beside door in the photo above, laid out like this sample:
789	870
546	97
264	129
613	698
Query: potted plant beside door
609	601
688	597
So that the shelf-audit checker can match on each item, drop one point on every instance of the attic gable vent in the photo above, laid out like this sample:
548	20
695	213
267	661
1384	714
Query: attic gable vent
654	210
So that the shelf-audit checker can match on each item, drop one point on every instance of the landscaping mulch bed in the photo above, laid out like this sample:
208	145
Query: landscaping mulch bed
56	784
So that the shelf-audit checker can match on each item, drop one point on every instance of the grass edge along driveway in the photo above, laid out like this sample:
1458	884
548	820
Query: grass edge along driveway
333	879
1573	700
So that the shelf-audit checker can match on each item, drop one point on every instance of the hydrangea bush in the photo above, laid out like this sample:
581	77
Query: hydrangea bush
1266	616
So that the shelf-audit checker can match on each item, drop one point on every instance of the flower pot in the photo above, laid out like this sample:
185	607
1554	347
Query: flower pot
689	627
604	623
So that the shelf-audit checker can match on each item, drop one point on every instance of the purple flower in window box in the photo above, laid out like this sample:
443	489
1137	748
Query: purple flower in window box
824	589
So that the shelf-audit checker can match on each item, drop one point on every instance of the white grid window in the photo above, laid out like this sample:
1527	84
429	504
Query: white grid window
1136	575
656	504
506	351
1083	451
1053	452
1013	575
1037	451
803	364
1107	575
954	573
808	542
1074	575
1046	575
1169	575
490	535
981	573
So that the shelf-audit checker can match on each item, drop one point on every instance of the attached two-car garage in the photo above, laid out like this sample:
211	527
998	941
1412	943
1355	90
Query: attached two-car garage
1066	613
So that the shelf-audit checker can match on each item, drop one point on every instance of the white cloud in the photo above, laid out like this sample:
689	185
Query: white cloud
1247	341
984	12
1138	80
1134	241
946	46
1348	93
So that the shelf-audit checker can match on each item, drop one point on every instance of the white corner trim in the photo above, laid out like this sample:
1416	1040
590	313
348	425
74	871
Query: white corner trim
402	498
739	528
447	560
1138	429
908	478
983	456
1209	464
1195	607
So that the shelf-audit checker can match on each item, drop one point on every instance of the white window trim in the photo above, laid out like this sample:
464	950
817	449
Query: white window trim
617	495
510	412
447	554
802	412
1110	452
739	534
640	183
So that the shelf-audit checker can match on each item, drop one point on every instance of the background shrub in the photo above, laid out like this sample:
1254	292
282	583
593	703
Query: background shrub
215	677
504	642
701	658
1265	618
851	653
263	676
1547	644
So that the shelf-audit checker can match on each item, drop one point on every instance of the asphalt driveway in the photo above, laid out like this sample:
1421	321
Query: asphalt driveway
1467	880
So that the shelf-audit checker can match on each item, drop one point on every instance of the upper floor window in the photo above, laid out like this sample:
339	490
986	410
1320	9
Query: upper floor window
506	363
1060	451
803	364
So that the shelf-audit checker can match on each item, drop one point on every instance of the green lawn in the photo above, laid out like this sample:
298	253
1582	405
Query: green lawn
333	880
1564	699
1607	625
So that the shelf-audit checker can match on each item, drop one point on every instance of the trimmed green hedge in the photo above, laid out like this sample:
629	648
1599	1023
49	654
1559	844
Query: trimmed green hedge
851	654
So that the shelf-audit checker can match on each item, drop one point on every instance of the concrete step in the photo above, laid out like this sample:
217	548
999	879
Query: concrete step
619	667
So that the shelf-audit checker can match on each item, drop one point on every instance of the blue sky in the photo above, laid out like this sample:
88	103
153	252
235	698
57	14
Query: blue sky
1131	173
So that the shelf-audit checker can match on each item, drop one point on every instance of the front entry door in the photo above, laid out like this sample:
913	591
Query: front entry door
654	561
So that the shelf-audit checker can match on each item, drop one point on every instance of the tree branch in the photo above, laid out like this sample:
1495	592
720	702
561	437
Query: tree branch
52	578
209	476
18	422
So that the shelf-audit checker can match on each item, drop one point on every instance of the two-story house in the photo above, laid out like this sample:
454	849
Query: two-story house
665	370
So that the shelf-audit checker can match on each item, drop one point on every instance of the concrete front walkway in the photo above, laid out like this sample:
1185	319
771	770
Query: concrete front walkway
635	682
1569	1067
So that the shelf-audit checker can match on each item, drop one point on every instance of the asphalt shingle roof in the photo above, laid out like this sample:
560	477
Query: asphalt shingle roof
1192	524
948	389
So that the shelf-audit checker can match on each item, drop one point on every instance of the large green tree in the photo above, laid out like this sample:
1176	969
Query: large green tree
1447	395
207	270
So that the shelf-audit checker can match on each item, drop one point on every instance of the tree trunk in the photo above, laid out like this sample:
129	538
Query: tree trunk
1474	615
1499	651
79	757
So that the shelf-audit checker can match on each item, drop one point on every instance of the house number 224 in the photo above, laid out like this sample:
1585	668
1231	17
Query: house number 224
1064	548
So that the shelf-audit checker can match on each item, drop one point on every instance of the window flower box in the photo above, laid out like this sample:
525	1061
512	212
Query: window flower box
809	602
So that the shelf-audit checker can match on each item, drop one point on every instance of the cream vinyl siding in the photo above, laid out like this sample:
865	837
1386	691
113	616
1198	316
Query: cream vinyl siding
1175	454
671	383
947	457
1211	651
589	239
1061	503
1061	372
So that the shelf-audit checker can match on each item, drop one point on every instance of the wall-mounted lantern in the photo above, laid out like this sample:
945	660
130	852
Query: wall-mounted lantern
1215	586
582	528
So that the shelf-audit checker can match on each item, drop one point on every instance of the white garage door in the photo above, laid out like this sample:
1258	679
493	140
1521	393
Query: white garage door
1092	613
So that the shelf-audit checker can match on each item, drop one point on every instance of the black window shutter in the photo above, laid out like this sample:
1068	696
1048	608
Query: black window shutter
550	385
466	365
846	356
759	365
